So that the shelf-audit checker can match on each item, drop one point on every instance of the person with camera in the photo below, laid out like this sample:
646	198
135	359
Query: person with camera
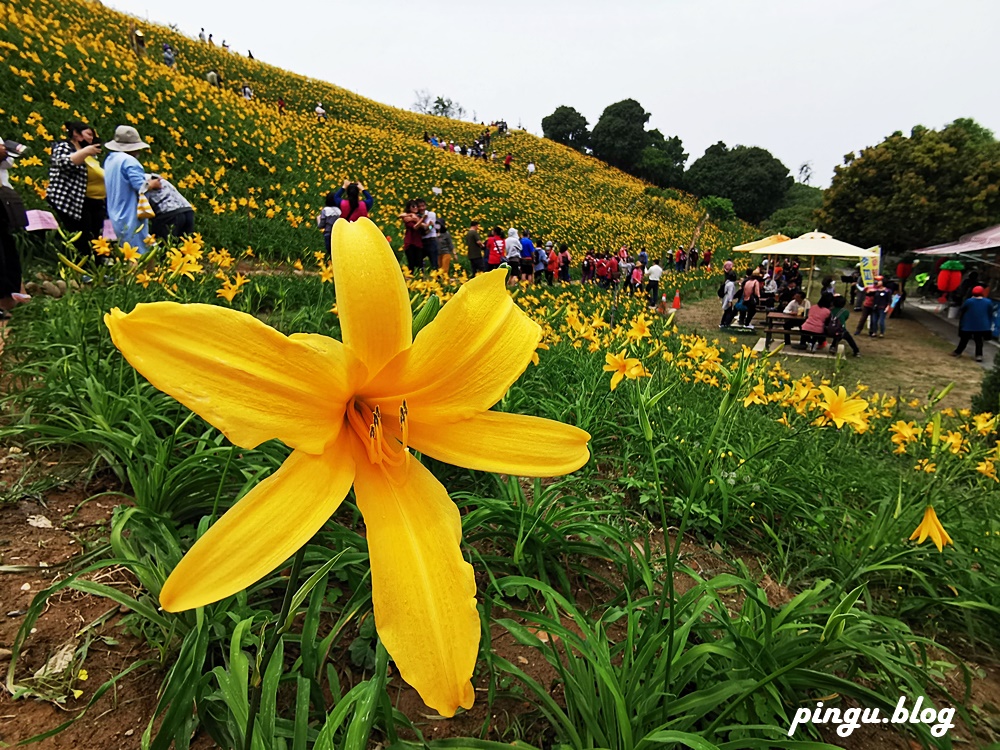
76	189
12	218
354	200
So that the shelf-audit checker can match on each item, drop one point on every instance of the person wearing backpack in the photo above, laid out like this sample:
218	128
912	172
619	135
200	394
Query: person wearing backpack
728	294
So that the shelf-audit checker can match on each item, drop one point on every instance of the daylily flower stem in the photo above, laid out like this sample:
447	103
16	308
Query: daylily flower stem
279	630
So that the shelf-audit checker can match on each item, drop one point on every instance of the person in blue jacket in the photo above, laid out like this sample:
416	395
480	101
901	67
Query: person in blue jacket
976	322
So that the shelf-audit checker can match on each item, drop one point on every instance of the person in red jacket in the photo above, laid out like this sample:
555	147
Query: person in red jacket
495	250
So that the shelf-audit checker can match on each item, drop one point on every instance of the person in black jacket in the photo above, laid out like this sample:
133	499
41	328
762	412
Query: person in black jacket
12	218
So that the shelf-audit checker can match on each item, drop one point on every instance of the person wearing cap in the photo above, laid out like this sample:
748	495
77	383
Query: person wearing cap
125	180
541	259
976	322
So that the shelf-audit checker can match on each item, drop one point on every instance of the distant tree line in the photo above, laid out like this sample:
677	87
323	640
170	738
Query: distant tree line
750	177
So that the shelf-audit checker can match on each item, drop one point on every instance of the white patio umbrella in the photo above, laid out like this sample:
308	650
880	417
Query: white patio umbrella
818	244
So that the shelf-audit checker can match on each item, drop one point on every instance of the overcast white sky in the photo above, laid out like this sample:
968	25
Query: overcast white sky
808	80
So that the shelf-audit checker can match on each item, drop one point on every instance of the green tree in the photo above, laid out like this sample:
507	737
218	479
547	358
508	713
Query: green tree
568	127
718	209
662	160
912	191
754	180
620	135
798	213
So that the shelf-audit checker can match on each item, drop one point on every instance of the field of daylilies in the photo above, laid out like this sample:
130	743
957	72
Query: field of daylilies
356	501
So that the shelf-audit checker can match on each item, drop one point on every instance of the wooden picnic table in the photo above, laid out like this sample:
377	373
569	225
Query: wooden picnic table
774	322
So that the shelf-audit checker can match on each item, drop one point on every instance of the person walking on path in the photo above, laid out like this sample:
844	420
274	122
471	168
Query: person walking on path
866	306
76	189
728	300
751	298
976	322
474	247
654	272
125	180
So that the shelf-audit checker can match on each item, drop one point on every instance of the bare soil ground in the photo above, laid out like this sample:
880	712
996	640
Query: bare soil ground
909	362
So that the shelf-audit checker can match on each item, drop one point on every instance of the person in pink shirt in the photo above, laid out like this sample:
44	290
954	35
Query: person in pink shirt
814	326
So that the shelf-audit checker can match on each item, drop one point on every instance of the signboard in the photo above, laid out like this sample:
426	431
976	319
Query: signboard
870	267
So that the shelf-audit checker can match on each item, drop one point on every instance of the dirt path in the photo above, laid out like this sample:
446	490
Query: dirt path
910	361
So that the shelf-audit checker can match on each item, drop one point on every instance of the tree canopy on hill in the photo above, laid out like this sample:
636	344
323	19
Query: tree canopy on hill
620	138
910	192
754	180
568	127
799	213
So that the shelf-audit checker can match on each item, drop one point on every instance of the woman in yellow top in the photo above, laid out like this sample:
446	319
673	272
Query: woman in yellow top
76	184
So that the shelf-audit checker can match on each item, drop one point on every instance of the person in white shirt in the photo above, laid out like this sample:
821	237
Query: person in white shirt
320	112
531	168
654	272
798	306
728	300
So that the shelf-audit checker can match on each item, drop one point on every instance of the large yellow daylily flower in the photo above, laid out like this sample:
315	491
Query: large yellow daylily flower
839	408
350	410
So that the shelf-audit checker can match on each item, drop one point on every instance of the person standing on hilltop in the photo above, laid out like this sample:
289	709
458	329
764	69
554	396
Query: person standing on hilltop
507	160
320	112
531	168
474	248
76	185
281	106
354	200
125	180
168	55
211	42
201	35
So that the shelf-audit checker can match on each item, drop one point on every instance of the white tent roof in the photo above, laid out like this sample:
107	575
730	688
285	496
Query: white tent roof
816	244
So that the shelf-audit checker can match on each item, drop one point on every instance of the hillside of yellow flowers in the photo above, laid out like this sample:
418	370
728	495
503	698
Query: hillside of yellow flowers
257	178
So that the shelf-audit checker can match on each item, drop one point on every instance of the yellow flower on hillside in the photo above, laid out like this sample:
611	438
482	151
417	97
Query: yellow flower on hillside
988	469
840	409
756	395
953	441
984	423
904	433
926	465
931	527
623	367
639	329
101	247
351	411
130	254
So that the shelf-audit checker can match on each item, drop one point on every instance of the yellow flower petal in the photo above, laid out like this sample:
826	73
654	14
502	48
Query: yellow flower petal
423	590
465	360
372	301
263	529
240	375
489	442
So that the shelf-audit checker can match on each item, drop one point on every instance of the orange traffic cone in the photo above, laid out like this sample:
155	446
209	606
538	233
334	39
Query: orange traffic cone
677	300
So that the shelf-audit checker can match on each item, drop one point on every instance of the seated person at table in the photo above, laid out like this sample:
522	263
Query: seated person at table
798	306
787	294
814	326
770	292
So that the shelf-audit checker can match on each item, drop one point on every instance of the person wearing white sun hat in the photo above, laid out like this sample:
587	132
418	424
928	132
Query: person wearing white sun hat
125	180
